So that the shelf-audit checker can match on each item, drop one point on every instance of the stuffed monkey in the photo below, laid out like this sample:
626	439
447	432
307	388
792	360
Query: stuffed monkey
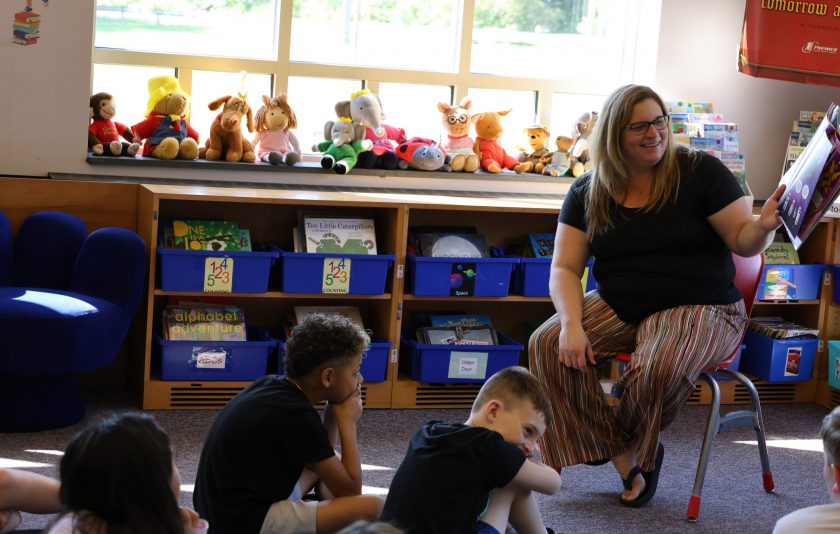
104	132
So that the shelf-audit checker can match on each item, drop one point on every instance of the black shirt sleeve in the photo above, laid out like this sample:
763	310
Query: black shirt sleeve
573	211
723	187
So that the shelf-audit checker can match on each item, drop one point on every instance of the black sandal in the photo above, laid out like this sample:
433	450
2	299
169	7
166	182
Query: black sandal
651	481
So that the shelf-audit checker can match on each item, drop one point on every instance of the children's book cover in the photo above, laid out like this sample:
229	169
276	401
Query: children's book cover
542	244
192	234
813	181
339	235
460	319
204	324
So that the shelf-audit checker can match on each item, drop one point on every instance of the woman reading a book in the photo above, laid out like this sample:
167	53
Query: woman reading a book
660	222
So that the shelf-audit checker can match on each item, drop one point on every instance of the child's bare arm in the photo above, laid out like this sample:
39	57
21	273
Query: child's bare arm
343	476
29	492
536	476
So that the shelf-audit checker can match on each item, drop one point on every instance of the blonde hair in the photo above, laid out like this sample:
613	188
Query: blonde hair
830	434
276	102
609	178
513	385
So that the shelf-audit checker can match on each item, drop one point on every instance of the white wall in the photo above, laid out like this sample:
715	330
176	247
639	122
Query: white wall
697	60
44	89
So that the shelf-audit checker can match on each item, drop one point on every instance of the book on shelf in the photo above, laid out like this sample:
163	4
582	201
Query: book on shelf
542	244
781	253
813	181
204	324
339	235
452	245
457	335
779	328
460	319
245	240
194	234
351	312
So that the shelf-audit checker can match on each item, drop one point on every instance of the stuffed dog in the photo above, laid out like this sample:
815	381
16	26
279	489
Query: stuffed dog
226	140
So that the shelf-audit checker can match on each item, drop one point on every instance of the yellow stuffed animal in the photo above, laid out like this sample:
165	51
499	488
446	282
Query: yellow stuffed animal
166	132
537	137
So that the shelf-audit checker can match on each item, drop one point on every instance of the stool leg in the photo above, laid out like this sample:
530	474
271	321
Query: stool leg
712	425
758	426
31	402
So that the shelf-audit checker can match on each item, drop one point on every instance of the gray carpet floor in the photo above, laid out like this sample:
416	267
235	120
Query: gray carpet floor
733	497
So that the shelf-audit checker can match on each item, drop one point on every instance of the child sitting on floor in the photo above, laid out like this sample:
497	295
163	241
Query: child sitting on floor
478	476
268	445
27	492
118	475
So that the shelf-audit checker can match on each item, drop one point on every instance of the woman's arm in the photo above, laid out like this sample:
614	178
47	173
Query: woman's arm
743	234
571	251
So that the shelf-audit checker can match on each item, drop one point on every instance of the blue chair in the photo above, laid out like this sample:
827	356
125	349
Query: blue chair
67	300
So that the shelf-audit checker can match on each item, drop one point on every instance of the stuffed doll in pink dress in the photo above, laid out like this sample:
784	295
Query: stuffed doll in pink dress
274	141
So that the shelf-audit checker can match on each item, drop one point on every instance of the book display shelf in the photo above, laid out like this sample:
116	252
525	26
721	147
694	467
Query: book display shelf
271	214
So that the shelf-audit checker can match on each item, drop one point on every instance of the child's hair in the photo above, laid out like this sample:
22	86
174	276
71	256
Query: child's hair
371	527
511	386
830	434
120	471
320	338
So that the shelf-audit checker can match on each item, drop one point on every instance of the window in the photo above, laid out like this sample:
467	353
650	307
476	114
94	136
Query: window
131	94
207	86
547	60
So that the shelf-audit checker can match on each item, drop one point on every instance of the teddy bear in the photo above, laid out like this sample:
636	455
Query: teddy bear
557	163
493	158
166	132
344	142
579	151
226	140
104	132
537	137
365	109
459	144
274	141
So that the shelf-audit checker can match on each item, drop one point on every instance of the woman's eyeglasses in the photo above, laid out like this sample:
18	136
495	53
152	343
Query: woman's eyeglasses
660	123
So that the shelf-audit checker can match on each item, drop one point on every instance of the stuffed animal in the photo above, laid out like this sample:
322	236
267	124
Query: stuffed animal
488	130
423	155
226	140
557	163
166	132
459	144
365	109
104	132
537	137
343	145
274	141
579	151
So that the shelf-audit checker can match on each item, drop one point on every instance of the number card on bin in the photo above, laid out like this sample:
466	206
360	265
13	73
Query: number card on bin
218	275
336	275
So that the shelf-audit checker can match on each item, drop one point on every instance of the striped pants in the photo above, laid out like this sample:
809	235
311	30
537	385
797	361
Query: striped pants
670	349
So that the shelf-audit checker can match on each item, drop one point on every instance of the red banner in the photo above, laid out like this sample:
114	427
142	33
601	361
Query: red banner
796	41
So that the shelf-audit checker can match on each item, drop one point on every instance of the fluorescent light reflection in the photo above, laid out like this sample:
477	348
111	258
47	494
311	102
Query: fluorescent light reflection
9	463
812	445
373	490
368	467
46	451
63	304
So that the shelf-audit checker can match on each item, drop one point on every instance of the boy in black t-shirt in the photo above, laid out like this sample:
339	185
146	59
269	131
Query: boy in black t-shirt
478	476
269	446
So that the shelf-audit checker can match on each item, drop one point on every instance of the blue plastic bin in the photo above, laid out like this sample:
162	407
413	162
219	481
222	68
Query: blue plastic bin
213	360
834	364
530	278
303	272
461	363
790	282
835	276
778	360
489	277
374	362
183	270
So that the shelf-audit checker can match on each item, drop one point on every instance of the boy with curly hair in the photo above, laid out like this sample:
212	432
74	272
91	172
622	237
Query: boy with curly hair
481	475
268	446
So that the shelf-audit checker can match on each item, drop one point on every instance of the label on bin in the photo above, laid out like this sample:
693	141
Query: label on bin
336	275
209	357
462	279
467	364
794	355
218	275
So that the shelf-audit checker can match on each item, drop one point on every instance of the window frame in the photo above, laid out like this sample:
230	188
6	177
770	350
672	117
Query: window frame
642	29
